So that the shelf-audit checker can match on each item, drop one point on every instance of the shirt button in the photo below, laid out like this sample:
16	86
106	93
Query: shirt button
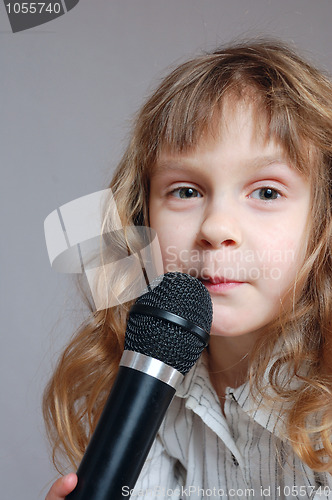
232	396
235	462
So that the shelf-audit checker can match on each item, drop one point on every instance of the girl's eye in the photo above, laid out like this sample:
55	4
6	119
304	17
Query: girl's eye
185	193
265	194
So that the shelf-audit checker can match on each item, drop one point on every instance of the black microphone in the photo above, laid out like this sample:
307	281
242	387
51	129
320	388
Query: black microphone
167	330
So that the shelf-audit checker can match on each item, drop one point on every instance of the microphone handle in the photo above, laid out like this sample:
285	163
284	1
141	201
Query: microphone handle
123	437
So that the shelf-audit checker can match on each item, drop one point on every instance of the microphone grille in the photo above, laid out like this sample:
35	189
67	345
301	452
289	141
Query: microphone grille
180	294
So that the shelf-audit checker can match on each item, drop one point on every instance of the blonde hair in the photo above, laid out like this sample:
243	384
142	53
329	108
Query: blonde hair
296	98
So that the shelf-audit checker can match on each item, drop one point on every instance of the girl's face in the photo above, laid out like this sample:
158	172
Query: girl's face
233	213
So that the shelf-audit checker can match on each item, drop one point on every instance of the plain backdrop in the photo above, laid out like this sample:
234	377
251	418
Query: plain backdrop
68	90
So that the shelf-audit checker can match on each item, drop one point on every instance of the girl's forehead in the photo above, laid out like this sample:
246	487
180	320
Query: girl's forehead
237	114
236	122
240	116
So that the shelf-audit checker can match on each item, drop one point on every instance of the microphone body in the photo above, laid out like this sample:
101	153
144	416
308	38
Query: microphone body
167	330
135	408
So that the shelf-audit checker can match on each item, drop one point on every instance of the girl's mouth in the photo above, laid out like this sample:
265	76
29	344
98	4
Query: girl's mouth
220	284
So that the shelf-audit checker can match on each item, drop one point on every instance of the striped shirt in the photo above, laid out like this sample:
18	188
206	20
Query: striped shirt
200	453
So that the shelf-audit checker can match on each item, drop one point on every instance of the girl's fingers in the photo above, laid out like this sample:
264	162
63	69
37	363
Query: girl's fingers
62	487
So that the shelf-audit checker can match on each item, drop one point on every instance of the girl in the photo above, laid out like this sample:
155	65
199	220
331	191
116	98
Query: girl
230	162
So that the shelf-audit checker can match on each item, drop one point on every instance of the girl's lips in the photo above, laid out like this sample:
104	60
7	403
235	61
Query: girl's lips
221	279
220	284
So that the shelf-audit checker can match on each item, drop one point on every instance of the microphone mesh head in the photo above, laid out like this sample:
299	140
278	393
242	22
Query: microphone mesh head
158	338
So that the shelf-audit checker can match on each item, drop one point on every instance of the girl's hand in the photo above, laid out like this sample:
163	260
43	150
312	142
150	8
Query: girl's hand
62	487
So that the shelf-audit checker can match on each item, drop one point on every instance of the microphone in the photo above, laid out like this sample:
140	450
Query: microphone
167	330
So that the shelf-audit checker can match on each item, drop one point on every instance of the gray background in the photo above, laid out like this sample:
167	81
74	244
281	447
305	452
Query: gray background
68	90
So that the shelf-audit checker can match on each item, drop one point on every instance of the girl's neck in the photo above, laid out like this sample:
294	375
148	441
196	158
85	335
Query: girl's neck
228	361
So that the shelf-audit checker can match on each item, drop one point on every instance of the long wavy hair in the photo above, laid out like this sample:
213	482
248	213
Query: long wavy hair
296	98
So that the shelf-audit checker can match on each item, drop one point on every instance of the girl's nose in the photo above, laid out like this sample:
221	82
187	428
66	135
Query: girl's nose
220	229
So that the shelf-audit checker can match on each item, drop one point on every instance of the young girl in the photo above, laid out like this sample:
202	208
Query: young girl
230	162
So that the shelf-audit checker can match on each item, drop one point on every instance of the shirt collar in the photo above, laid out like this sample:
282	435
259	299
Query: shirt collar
269	414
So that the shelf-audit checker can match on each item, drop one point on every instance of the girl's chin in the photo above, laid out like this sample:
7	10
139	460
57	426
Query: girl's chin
225	332
224	324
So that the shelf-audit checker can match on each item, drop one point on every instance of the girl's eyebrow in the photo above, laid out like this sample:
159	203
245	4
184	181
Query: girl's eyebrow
268	161
256	163
165	165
